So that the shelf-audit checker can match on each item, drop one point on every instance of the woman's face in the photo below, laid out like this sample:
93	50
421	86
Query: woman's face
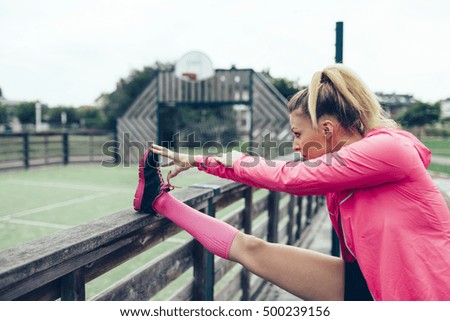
308	141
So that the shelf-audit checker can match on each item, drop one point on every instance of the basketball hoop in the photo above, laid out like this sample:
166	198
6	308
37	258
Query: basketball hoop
194	66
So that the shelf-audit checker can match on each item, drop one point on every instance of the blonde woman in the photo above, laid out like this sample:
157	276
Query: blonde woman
392	221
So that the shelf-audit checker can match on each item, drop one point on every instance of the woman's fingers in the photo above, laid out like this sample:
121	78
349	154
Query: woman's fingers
168	164
162	151
174	172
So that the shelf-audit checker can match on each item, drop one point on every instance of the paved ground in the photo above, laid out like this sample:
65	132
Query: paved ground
320	240
440	160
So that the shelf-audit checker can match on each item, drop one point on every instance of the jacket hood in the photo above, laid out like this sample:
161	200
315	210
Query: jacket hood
423	151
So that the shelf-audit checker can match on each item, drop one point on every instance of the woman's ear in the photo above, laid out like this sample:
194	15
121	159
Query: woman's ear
327	127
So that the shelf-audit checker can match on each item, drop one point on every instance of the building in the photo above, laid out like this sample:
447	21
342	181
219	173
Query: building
8	102
395	104
445	108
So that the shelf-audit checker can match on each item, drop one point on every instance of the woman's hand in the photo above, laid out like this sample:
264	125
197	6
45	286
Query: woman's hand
181	161
229	158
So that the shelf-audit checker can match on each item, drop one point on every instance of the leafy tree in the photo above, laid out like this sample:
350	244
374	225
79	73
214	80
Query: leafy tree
420	114
91	117
3	114
286	87
26	112
127	90
54	115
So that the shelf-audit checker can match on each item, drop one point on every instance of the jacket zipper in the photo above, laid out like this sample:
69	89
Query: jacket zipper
342	226
343	232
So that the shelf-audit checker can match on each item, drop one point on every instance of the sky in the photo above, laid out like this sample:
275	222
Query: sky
64	52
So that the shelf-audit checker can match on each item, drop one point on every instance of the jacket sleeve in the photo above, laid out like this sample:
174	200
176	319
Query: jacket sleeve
374	160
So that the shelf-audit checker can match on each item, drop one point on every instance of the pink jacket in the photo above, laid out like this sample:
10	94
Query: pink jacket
385	208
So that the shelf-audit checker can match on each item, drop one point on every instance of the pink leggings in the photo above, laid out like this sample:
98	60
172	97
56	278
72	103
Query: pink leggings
215	235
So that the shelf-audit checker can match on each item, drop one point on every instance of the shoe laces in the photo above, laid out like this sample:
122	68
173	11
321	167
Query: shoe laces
164	186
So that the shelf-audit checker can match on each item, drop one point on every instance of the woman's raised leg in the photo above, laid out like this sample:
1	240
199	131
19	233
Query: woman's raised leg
307	274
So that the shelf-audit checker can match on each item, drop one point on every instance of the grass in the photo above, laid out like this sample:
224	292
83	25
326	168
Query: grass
439	168
438	146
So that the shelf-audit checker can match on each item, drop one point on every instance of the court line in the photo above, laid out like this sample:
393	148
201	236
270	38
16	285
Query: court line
55	205
39	224
94	188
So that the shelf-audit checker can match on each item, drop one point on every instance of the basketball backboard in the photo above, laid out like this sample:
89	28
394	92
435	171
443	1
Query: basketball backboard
194	66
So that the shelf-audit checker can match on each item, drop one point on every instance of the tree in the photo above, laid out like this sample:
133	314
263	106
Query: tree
26	112
54	115
127	90
91	117
3	114
420	114
286	87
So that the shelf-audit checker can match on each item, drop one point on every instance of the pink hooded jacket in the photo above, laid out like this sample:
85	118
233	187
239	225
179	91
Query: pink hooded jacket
385	208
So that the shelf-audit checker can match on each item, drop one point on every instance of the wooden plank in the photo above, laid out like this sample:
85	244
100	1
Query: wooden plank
73	286
273	208
142	240
147	282
258	286
298	231
291	214
222	267
184	293
260	230
247	224
45	292
230	290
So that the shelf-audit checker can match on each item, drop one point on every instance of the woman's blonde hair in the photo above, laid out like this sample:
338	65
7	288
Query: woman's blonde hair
340	92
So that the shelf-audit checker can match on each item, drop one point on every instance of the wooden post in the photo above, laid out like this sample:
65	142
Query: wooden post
291	224
299	217
247	224
91	146
273	209
309	201
203	259
73	286
204	267
65	141
317	205
26	150
46	149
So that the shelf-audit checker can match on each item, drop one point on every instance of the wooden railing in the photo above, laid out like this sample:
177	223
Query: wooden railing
21	151
60	265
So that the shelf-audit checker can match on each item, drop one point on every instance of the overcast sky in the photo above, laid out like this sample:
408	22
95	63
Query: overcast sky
64	52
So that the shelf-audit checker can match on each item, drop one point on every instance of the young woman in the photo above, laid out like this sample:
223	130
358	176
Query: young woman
392	221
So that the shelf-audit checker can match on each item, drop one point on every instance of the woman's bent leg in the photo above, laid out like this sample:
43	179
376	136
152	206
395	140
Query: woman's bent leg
307	274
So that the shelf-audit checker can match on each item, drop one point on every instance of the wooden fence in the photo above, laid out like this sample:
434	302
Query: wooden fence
19	151
60	265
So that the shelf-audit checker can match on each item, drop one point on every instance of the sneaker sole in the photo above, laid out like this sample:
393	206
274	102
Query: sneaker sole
140	189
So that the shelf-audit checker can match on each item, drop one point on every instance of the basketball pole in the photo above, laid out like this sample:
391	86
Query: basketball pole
335	250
